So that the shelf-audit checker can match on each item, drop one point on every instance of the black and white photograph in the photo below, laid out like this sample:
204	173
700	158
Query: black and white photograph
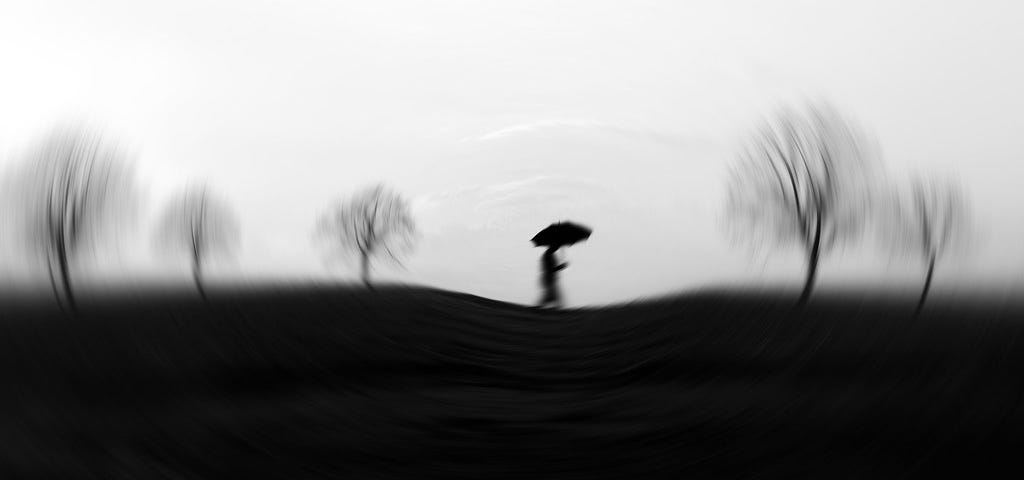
511	239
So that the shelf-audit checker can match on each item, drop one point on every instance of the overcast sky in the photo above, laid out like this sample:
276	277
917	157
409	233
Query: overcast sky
496	118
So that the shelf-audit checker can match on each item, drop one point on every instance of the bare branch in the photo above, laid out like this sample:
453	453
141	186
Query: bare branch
373	222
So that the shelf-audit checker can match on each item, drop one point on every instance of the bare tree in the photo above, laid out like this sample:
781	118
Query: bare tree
74	183
802	180
199	224
375	222
925	221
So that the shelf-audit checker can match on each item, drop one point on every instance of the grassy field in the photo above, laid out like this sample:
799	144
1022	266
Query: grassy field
417	383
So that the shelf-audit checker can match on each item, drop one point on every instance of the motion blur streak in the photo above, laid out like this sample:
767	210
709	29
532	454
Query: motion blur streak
418	383
72	191
805	179
199	224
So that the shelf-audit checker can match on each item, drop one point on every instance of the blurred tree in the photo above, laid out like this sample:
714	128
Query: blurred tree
375	222
74	183
200	225
802	179
925	221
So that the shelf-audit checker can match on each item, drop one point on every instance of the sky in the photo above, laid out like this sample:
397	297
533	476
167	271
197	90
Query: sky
496	118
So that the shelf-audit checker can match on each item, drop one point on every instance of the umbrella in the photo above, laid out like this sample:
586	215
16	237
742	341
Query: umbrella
561	233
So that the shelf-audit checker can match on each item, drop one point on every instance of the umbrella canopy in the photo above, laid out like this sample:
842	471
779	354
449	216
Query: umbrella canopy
561	233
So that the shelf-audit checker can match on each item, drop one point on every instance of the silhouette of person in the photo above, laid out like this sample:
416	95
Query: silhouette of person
549	267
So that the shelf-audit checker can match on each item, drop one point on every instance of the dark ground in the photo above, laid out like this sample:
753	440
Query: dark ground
416	383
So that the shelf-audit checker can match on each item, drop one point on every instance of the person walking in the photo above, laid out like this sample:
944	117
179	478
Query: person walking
549	268
555	236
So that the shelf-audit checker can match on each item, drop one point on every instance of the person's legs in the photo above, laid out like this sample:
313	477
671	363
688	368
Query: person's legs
549	294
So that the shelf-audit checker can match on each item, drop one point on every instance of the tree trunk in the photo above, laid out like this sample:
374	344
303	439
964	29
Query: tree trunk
927	284
197	277
65	278
365	269
50	268
812	262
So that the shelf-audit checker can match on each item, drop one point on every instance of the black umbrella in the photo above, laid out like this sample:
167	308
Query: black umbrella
561	233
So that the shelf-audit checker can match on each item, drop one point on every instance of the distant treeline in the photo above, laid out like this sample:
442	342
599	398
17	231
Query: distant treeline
74	187
806	177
